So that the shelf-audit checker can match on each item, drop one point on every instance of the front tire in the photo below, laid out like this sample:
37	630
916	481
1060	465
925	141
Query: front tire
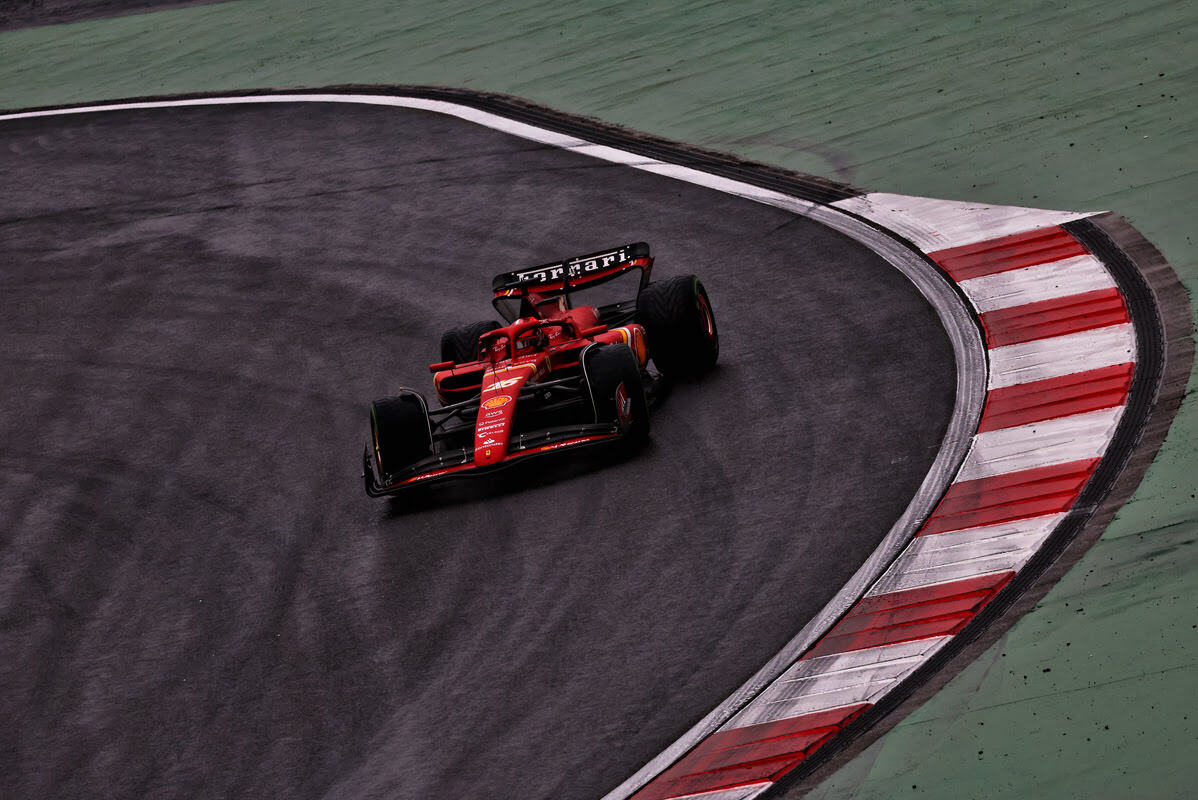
399	432
683	339
613	379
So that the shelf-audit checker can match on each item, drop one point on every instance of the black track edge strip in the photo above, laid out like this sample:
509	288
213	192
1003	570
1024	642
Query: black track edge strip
808	187
1160	311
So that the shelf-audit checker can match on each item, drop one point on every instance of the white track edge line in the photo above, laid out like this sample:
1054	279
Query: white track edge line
933	224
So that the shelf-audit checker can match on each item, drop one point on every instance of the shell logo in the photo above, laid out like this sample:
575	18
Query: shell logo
498	401
635	339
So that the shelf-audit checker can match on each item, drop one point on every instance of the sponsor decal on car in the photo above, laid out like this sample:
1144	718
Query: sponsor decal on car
574	268
623	404
569	443
492	414
498	401
505	383
634	337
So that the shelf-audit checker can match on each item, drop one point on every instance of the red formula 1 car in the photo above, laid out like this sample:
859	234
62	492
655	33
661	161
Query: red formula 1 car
559	375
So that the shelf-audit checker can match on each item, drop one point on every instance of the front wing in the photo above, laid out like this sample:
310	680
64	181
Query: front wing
460	463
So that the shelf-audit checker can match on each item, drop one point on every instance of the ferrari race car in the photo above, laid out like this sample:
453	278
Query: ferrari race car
558	375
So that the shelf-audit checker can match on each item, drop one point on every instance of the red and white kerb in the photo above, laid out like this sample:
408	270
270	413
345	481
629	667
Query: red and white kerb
1061	354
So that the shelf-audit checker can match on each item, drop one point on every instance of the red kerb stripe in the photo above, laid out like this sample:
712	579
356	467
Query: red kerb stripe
1020	250
912	614
747	755
876	604
1015	495
765	731
1025	403
1056	317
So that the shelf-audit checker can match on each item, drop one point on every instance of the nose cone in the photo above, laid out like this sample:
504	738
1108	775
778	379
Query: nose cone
496	411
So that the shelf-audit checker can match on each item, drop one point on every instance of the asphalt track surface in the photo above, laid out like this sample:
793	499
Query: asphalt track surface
196	597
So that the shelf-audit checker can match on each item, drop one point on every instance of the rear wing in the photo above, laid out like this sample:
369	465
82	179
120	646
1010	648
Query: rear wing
560	277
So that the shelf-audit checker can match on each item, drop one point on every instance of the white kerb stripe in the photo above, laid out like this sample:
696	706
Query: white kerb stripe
1061	355
967	554
946	557
831	692
818	698
1041	282
807	686
738	793
836	680
1040	444
940	224
853	659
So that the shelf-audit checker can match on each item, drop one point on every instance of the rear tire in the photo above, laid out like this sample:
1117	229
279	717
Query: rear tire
460	345
614	380
399	432
683	339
